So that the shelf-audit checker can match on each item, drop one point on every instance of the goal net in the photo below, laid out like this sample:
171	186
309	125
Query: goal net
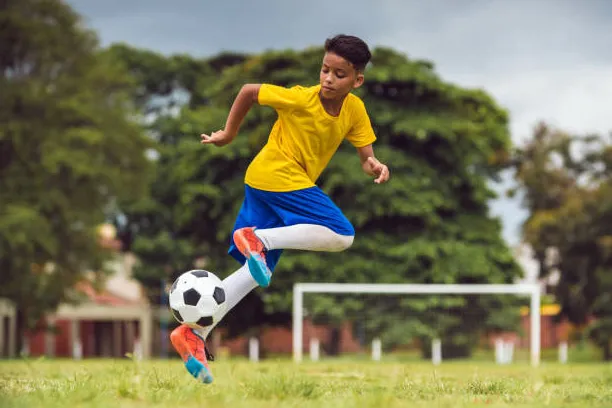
436	321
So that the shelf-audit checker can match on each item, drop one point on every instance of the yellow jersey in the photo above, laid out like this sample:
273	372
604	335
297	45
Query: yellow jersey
304	137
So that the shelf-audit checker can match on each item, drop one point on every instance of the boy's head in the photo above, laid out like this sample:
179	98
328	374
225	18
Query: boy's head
343	65
351	48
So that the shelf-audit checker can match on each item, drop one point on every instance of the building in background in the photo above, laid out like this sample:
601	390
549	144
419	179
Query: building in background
111	322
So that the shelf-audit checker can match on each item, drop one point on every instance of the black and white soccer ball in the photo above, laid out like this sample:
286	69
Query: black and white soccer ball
197	299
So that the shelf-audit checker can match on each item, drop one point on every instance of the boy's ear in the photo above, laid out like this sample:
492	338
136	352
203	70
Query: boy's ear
358	80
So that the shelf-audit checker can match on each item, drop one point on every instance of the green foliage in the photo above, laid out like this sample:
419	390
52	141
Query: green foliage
67	151
568	190
430	224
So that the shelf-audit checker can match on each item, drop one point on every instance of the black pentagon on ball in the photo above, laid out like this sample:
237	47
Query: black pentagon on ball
191	297
205	321
177	315
219	295
200	274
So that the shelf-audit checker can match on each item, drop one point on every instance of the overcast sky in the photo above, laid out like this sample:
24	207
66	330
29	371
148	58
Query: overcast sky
541	59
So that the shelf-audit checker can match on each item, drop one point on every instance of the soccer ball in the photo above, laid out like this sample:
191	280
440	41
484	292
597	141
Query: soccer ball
197	299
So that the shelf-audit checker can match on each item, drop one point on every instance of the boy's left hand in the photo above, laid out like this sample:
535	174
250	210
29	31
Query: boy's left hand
218	138
380	171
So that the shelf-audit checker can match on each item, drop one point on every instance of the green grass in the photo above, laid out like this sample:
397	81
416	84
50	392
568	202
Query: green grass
281	383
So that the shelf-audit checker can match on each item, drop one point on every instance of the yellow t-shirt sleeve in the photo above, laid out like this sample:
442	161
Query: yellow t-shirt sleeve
361	133
280	97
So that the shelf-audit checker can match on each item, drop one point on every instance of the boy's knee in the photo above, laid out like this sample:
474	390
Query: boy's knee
343	242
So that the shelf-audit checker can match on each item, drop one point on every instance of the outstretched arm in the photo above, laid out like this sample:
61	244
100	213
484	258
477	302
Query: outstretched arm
242	104
371	166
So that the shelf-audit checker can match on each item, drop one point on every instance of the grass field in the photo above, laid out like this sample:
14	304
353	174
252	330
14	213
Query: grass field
281	383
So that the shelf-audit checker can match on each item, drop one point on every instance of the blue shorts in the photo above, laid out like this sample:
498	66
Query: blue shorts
267	209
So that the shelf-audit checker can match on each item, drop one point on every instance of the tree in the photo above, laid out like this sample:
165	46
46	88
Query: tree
568	189
70	148
430	224
155	230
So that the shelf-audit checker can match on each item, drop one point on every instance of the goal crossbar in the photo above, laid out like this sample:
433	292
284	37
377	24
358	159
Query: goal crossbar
533	290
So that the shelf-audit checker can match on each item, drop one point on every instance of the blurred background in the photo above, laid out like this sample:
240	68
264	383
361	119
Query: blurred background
493	117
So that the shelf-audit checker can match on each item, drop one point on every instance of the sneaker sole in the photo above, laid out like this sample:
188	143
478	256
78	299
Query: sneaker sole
259	270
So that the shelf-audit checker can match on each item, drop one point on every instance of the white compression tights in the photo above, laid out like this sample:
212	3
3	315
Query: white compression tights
308	237
237	286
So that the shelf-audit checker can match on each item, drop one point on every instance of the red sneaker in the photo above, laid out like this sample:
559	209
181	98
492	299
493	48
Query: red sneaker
192	349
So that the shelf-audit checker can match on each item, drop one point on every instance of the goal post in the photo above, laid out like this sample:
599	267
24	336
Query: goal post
531	289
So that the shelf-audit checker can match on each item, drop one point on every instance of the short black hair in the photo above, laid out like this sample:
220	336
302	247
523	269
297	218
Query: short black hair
351	48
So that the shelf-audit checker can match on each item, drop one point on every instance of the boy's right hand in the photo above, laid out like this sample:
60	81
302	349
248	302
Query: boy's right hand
218	138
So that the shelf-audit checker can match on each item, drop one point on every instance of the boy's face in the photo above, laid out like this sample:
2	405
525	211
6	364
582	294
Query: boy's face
338	77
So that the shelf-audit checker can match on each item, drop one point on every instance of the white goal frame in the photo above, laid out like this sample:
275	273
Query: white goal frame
532	289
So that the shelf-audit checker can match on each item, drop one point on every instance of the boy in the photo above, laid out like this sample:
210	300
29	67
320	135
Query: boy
282	207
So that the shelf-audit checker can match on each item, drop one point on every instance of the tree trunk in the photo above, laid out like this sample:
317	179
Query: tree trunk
334	341
607	352
20	331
